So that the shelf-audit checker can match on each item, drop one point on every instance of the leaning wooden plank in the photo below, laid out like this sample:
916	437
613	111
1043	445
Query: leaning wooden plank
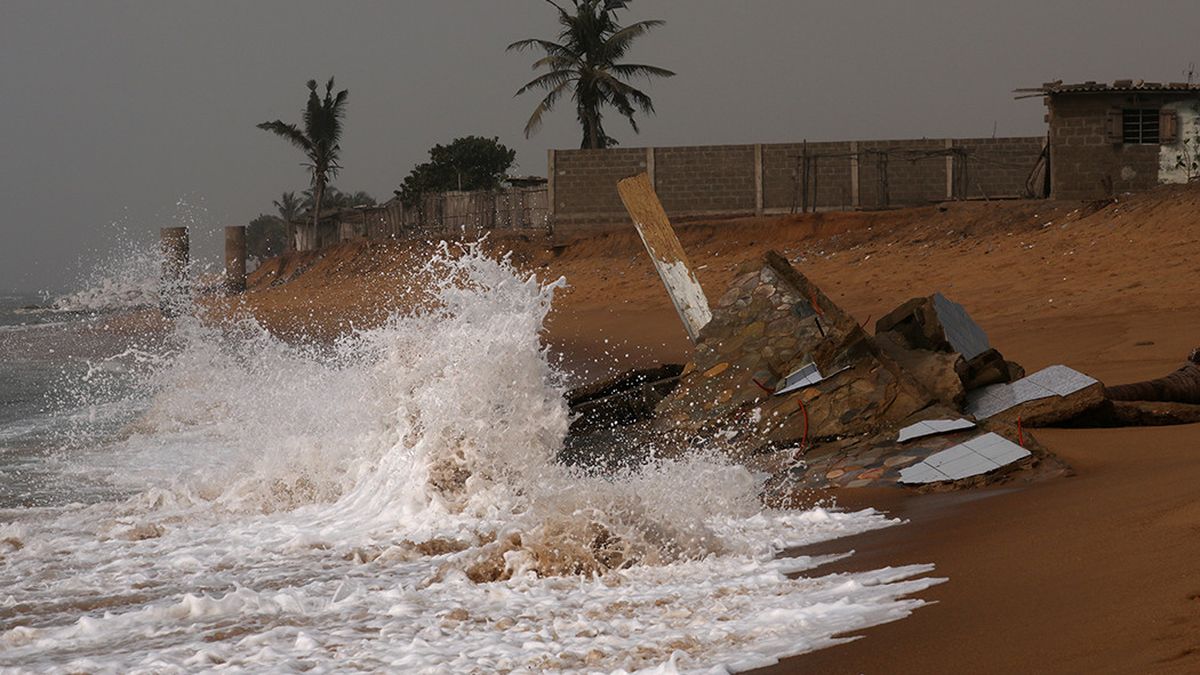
665	250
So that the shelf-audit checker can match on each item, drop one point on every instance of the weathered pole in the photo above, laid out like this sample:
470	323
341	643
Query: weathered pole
173	286
666	253
235	259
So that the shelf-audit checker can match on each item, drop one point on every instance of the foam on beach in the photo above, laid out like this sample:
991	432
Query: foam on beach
392	502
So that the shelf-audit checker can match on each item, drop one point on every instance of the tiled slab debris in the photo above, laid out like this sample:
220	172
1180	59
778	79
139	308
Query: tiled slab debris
978	455
1052	381
964	335
805	376
932	428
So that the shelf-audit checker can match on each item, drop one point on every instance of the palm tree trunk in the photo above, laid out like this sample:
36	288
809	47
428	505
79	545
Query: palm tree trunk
318	194
589	131
1181	386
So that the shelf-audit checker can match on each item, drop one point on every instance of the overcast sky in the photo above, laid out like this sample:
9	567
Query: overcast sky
115	112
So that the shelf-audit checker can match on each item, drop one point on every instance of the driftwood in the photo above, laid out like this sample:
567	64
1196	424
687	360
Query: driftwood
1181	386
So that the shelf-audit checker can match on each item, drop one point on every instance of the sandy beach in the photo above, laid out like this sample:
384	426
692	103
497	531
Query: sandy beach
1092	573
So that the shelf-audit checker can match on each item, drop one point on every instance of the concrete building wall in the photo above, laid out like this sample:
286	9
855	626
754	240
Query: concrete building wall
1086	163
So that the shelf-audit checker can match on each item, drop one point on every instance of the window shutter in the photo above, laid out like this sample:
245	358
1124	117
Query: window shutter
1168	126
1114	125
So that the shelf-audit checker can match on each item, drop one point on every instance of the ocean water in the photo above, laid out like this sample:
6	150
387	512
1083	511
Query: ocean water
211	498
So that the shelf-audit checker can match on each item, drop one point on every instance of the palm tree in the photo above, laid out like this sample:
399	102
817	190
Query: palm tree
319	139
289	206
336	199
585	61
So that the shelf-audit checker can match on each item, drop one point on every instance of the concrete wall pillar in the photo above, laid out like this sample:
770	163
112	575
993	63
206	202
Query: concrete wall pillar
235	257
758	179
854	174
650	166
173	286
949	169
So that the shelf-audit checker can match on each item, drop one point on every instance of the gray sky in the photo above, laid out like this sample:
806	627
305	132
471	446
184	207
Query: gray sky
117	111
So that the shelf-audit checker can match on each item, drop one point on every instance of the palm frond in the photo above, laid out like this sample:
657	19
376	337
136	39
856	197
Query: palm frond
288	132
619	42
627	70
547	81
552	48
546	104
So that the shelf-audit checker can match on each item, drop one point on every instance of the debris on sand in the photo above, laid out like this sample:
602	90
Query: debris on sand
787	382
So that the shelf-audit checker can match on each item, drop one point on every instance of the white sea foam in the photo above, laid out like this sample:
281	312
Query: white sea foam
393	503
126	278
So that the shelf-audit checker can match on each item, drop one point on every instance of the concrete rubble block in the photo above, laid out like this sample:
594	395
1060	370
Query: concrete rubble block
989	368
939	372
772	322
936	324
1049	396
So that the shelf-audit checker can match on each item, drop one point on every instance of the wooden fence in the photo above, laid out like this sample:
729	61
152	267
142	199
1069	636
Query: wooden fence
438	214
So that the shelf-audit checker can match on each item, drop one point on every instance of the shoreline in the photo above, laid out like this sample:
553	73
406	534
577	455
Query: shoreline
1092	572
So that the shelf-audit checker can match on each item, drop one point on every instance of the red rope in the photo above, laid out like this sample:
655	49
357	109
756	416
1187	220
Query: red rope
762	386
1020	432
803	409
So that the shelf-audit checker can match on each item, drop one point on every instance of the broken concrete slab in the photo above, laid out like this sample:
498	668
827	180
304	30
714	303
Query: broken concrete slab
932	428
935	323
988	367
979	455
938	372
932	336
770	323
1051	395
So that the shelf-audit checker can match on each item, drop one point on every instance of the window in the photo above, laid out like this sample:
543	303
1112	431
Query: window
1140	125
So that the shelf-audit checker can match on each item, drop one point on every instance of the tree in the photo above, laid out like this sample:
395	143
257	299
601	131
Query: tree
266	237
586	62
468	163
289	206
319	139
336	199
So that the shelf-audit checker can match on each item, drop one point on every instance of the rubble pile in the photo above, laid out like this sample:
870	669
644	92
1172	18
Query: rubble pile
789	383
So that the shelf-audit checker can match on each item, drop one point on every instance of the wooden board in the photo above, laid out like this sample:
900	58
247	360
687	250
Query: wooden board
667	253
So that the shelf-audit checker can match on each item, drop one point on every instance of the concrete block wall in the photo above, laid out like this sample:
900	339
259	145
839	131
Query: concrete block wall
915	173
585	181
721	180
830	184
1082	159
705	179
997	167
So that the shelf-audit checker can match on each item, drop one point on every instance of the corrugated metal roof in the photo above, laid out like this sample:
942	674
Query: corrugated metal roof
1118	86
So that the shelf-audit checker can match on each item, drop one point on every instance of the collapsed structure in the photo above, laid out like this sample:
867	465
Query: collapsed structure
793	385
788	383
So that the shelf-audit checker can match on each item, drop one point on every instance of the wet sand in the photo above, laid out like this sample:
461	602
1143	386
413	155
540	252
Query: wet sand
1095	573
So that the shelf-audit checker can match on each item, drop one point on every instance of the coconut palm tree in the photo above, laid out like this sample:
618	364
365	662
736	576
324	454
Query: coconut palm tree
319	139
586	62
289	206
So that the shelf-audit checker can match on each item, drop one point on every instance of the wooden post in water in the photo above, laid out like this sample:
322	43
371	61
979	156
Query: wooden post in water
173	287
235	259
667	253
